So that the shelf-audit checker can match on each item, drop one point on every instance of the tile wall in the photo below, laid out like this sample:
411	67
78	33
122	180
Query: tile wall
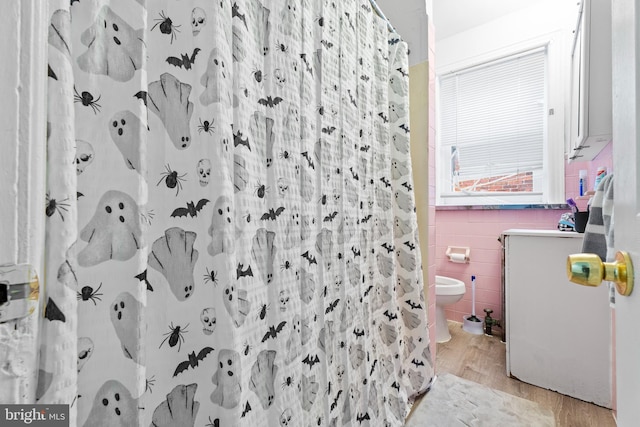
480	229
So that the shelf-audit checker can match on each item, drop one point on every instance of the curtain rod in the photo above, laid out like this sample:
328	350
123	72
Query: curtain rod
381	15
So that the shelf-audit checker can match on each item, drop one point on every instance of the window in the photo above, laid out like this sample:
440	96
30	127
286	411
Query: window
493	132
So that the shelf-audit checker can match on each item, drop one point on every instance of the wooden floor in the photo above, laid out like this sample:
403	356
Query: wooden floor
482	359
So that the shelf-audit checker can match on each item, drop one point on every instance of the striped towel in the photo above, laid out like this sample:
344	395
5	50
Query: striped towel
598	236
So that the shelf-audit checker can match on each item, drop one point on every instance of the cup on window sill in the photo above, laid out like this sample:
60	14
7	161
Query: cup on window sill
581	219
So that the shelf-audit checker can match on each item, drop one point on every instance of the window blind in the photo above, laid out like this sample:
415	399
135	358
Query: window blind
493	116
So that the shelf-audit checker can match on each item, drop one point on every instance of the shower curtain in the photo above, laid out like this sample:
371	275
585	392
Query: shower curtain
231	228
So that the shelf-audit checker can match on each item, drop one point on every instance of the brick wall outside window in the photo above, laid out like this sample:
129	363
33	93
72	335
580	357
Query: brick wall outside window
522	182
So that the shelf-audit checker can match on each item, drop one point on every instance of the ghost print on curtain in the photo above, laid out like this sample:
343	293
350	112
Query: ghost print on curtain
245	249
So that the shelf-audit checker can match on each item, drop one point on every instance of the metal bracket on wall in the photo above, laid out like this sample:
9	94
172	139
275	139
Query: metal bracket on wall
19	291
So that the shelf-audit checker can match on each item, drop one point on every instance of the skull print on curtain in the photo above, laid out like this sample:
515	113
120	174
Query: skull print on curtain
237	240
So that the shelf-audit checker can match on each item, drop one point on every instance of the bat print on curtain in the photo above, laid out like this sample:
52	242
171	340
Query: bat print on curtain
236	241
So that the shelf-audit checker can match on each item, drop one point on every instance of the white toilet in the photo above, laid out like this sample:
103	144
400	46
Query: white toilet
448	291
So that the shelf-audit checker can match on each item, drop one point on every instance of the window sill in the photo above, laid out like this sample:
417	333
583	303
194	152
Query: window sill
556	206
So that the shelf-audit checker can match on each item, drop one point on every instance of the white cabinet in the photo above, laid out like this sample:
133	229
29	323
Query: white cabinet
590	111
558	333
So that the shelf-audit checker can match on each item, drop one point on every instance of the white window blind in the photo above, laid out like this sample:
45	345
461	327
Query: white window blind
492	119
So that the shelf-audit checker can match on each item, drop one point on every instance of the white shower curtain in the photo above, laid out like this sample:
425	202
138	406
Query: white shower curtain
231	229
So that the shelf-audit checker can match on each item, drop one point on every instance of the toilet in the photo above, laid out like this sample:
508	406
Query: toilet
448	291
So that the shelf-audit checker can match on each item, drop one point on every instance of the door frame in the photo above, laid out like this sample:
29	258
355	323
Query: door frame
23	126
23	129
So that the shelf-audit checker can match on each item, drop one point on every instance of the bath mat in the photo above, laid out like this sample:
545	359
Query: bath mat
454	401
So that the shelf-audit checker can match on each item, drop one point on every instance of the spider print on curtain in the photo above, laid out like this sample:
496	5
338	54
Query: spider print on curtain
238	240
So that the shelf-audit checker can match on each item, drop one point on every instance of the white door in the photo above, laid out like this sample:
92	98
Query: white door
626	133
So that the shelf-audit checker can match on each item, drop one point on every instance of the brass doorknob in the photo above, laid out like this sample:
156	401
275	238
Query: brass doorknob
589	270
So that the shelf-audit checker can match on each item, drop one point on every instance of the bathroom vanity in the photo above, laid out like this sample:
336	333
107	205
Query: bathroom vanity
558	333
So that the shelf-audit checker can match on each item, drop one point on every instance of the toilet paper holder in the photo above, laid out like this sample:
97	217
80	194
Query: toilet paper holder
458	254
